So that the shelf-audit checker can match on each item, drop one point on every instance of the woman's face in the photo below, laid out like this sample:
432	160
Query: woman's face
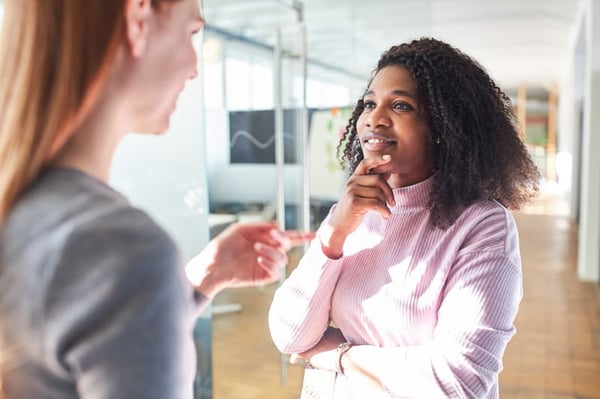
391	124
167	62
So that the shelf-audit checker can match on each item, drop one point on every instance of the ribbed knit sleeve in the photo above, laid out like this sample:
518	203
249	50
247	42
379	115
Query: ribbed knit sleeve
464	356
299	313
430	311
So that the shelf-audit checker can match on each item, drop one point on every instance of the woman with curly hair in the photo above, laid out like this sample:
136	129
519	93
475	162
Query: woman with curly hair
411	288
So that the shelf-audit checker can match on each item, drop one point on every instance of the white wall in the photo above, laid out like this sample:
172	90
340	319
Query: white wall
589	227
570	107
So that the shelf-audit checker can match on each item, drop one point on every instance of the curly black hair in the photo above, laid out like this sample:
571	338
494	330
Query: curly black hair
475	148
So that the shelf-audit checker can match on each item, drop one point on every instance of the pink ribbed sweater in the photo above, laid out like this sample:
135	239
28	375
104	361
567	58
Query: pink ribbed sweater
437	306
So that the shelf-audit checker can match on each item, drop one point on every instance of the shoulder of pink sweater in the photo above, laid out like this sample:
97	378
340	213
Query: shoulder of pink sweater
487	226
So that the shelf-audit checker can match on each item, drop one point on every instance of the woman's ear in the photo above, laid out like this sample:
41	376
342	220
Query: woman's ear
137	21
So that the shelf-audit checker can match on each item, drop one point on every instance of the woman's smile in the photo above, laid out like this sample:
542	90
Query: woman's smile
376	142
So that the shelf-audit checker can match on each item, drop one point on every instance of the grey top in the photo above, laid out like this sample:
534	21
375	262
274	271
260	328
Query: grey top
93	297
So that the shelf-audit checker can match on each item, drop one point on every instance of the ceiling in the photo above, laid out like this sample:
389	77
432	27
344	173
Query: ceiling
517	41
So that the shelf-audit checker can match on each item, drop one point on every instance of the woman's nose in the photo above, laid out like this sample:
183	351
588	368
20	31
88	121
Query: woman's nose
377	117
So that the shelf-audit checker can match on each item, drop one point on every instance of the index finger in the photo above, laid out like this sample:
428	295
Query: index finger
298	237
368	164
292	238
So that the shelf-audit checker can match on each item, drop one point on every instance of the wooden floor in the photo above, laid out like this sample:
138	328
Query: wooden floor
554	355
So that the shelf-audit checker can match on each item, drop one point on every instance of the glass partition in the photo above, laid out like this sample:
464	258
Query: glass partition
255	147
262	98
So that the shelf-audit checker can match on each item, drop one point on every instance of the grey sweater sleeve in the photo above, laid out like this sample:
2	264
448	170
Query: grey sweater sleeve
119	313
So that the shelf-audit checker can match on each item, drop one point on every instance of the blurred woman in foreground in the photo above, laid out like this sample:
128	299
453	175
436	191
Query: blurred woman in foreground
95	302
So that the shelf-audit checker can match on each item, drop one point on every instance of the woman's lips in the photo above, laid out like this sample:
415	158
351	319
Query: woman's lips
376	142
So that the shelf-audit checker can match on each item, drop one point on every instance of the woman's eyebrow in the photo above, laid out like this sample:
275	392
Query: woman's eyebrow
397	92
404	93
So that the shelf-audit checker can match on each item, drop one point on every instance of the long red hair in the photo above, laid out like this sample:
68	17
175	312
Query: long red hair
55	56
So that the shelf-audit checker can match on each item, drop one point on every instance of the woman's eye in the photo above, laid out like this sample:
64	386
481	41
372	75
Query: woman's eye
369	104
401	106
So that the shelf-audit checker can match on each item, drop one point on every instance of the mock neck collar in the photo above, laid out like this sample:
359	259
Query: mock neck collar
413	196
